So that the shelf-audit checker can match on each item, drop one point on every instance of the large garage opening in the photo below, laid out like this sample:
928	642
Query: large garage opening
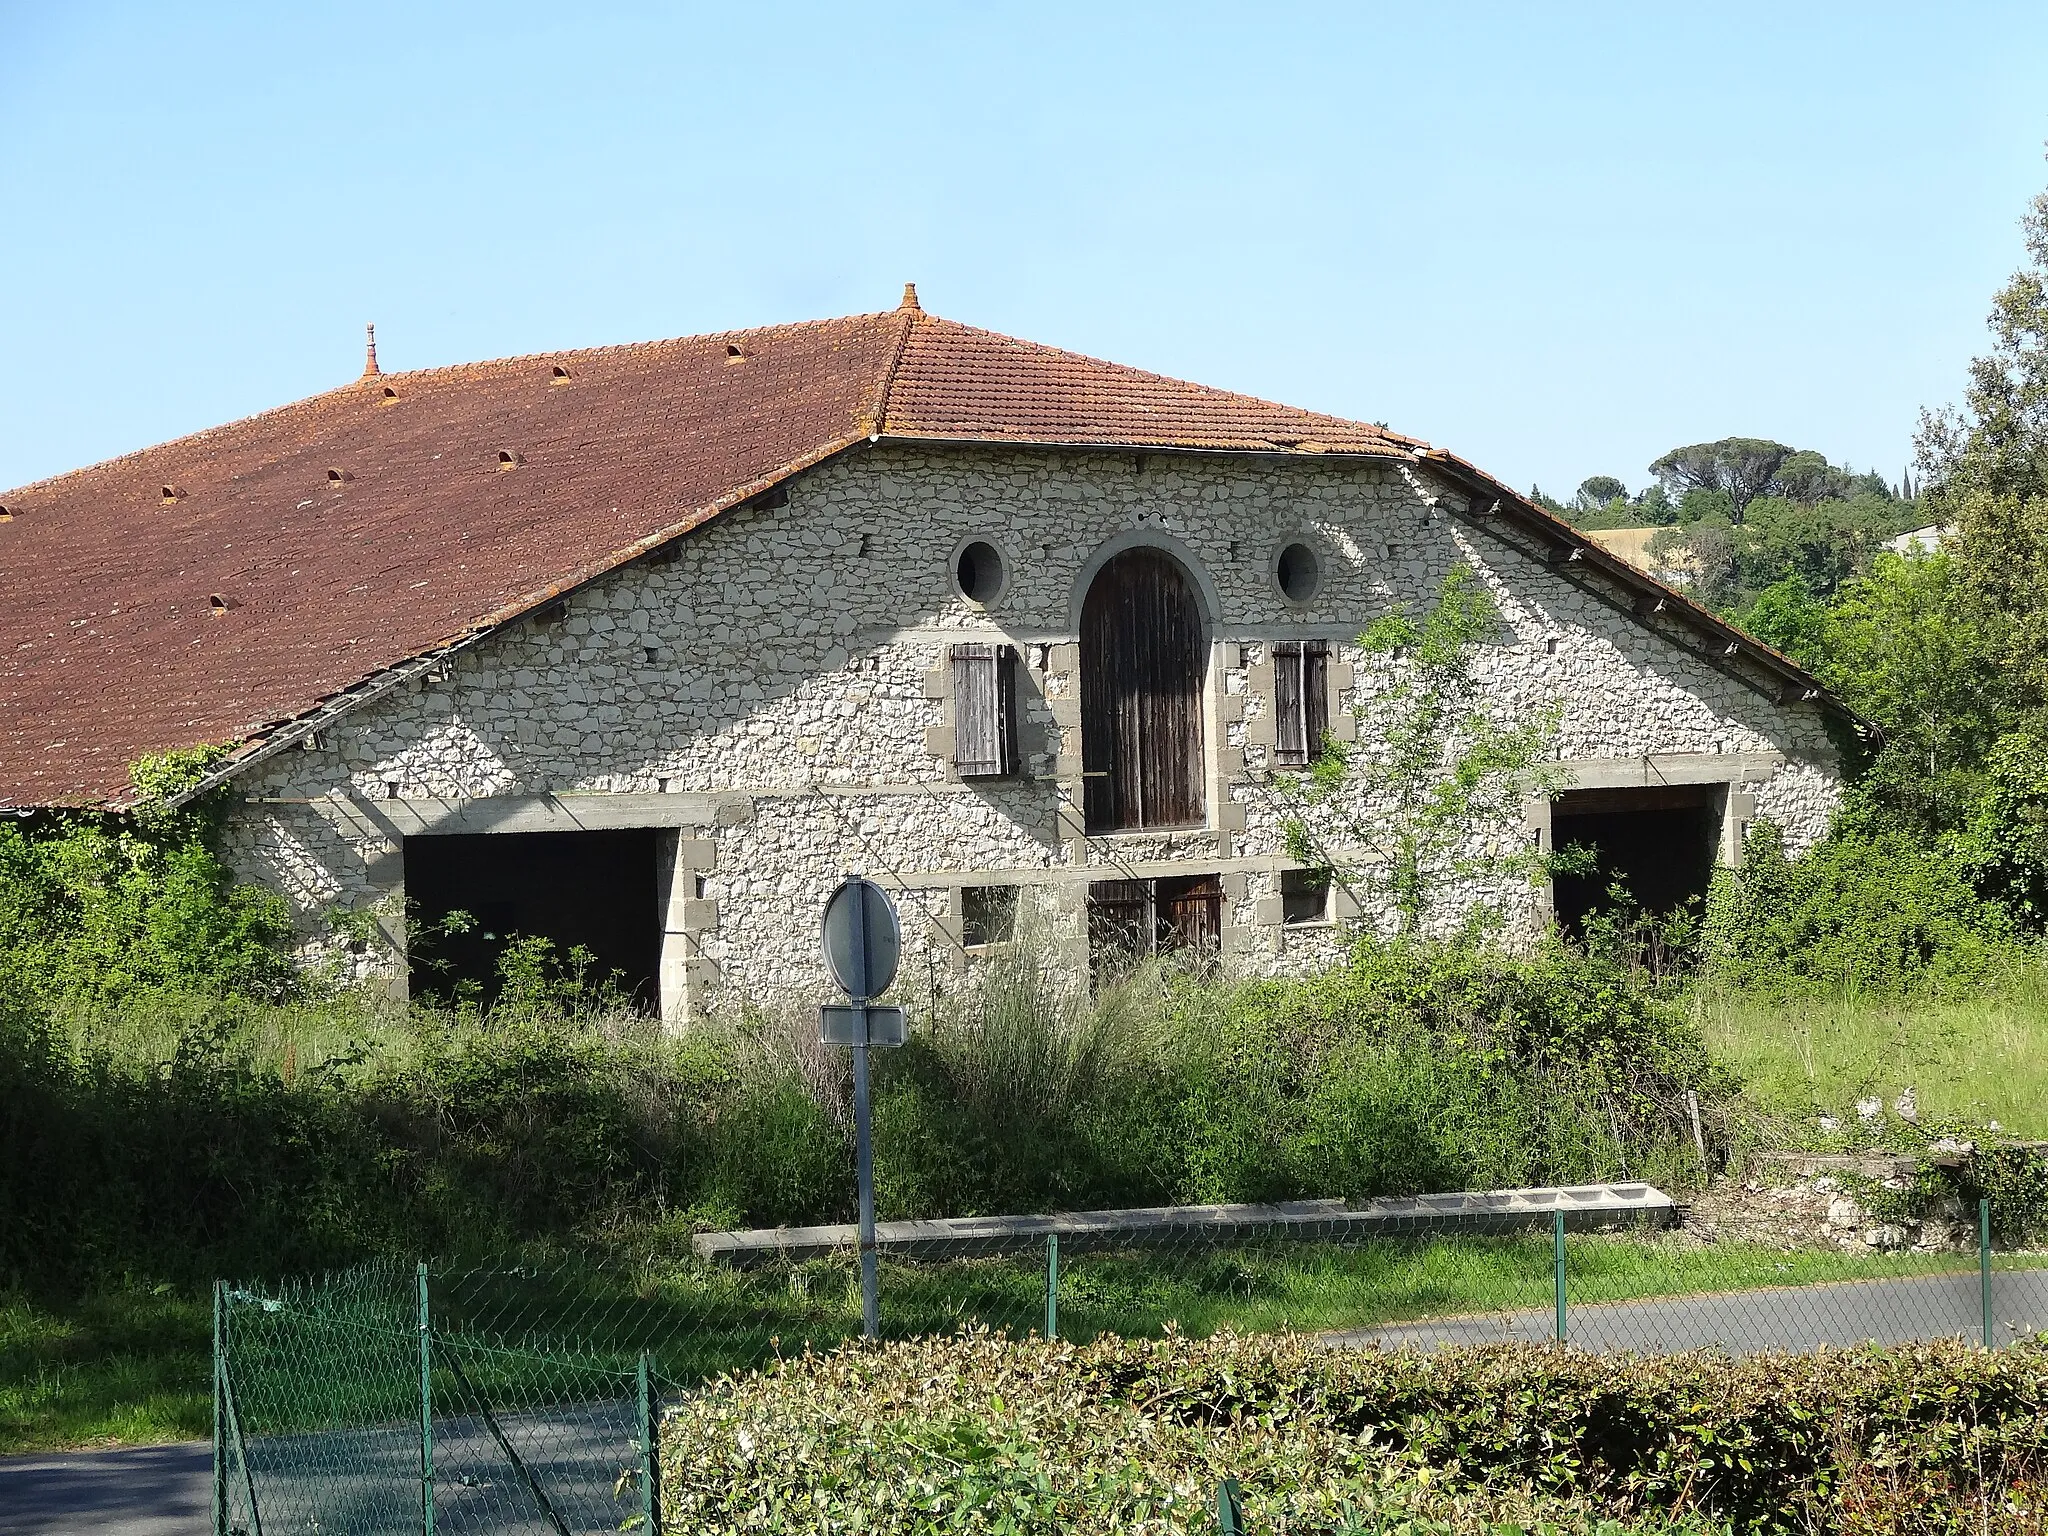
1657	842
594	889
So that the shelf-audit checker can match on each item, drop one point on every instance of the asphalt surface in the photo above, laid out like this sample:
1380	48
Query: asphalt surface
150	1490
366	1481
1746	1322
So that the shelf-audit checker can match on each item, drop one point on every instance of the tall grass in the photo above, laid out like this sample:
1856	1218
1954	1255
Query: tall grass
173	1135
1983	1055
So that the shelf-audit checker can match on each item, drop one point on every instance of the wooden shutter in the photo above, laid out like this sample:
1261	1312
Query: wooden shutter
984	710
1301	701
1190	913
1120	922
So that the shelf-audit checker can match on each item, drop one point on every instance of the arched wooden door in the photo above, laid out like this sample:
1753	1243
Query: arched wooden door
1142	666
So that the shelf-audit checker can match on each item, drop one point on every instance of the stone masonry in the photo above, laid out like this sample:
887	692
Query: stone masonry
771	690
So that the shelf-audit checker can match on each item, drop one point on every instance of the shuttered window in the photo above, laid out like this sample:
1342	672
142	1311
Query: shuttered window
984	710
1131	919
1301	704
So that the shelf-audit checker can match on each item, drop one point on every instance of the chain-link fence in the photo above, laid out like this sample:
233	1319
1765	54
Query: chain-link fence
398	1398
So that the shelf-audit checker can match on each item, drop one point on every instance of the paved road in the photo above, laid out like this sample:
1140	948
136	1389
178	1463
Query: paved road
151	1490
1745	1322
364	1482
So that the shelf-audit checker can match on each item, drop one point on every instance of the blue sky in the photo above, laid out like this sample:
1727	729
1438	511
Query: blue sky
1557	239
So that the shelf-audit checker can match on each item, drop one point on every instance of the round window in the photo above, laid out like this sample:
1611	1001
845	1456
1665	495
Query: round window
978	569
1298	573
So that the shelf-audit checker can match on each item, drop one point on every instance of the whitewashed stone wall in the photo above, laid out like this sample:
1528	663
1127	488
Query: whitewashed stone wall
785	660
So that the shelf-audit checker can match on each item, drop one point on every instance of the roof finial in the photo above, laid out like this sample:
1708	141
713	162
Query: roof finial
370	353
910	299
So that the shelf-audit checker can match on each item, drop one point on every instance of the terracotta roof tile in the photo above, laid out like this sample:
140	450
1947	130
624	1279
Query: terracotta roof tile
304	551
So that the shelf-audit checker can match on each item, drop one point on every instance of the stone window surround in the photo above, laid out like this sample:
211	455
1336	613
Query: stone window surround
1731	770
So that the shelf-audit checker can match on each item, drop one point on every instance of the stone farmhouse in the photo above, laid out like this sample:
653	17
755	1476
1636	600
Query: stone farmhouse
644	647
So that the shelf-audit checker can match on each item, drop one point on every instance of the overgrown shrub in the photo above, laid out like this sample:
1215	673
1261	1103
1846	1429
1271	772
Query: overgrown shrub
184	1134
100	906
978	1434
1412	1068
1875	911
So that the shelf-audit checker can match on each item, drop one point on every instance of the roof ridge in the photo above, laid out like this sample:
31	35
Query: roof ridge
385	380
879	421
637	346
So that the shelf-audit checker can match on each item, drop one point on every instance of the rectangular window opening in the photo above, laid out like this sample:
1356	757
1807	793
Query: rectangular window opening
988	914
1132	920
1304	896
1301	703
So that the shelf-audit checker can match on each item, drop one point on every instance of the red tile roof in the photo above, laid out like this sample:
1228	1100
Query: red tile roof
214	588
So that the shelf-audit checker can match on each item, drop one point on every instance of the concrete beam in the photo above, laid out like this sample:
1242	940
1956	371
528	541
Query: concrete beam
392	820
1585	1207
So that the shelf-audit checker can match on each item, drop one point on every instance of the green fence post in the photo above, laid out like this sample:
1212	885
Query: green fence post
1229	1507
1984	1265
426	1409
1052	1286
650	1502
220	1440
1557	1254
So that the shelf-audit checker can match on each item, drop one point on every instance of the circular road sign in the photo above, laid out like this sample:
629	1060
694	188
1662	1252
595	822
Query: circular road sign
863	941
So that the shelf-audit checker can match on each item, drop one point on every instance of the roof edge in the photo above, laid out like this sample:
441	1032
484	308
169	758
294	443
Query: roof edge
1730	642
263	742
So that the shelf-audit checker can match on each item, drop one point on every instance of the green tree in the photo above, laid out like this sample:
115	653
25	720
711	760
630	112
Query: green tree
1987	469
1741	467
1596	491
1430	797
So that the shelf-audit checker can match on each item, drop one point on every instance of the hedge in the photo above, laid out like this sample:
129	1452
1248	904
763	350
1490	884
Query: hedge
979	1433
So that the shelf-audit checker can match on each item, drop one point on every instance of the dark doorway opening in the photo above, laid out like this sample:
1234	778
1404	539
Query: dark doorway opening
593	889
1658	842
1130	920
1143	660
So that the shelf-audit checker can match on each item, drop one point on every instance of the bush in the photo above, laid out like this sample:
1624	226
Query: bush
104	905
1873	911
1411	1069
979	1434
183	1134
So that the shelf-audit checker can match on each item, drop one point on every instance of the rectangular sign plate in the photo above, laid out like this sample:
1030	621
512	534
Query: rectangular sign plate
851	1024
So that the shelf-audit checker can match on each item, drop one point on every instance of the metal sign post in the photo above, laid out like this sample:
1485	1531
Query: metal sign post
863	946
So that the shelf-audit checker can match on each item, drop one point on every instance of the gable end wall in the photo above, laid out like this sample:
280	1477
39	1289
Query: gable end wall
777	696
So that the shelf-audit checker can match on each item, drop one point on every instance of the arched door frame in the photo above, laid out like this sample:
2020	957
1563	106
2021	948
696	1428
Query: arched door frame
1201	591
1209	599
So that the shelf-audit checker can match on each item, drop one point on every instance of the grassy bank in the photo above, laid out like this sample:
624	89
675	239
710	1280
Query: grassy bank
127	1366
1982	1055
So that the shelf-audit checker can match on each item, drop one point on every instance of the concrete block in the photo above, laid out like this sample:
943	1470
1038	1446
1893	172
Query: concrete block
1585	1208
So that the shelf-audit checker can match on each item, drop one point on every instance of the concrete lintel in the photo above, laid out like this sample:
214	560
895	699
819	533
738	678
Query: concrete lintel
395	819
1671	768
1589	1206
